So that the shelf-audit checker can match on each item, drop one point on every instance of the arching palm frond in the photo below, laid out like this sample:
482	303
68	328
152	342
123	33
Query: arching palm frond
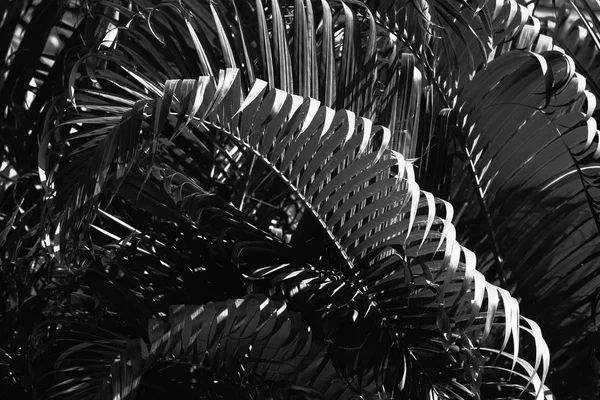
532	163
237	339
36	40
522	147
555	169
575	26
431	125
384	232
294	176
453	40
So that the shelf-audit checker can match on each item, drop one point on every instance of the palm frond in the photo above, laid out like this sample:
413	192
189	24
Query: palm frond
454	39
579	37
540	180
365	200
306	204
36	39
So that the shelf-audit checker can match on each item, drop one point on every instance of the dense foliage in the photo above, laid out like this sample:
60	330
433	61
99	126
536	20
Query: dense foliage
299	199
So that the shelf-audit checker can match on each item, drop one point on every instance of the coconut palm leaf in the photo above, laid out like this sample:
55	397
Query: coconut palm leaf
452	40
579	37
541	182
35	39
38	40
252	340
187	95
542	164
574	25
305	204
431	138
71	350
376	218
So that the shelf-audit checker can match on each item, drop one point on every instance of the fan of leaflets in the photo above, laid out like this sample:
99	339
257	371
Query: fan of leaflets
419	312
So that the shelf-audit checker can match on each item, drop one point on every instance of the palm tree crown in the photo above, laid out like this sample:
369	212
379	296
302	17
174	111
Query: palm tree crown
297	199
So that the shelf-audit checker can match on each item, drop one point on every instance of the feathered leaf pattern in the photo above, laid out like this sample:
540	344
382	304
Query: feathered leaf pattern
401	264
261	158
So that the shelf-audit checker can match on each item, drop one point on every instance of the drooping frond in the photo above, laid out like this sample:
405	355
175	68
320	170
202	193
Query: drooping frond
454	39
532	162
401	269
575	26
306	204
34	40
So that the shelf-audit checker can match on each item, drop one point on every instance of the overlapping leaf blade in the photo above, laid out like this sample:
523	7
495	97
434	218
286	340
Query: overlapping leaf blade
309	148
535	167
